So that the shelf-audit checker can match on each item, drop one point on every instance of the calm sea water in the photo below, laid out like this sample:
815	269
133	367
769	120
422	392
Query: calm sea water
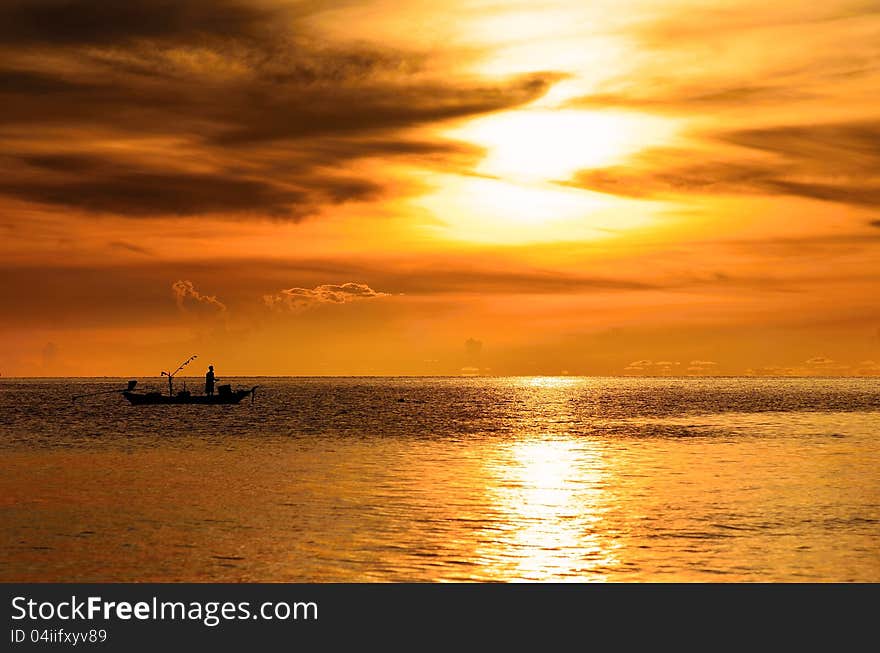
446	479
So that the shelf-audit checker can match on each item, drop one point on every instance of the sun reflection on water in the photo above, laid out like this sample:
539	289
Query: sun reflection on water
552	496
552	381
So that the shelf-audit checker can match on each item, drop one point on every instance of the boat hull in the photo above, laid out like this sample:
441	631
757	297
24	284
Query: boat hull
156	398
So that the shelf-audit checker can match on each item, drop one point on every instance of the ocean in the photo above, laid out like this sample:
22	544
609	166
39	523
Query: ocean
445	479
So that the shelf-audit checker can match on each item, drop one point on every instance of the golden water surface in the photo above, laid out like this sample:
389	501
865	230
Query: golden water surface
463	480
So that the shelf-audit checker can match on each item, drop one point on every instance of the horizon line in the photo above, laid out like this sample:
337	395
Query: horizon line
474	376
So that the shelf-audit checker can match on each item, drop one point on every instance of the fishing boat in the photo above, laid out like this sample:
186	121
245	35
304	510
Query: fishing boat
225	395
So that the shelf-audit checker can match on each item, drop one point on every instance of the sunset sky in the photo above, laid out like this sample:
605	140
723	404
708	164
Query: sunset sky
316	187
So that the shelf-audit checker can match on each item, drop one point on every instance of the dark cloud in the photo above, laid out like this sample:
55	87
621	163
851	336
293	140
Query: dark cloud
662	171
833	163
25	83
130	247
257	105
98	186
333	127
446	280
279	118
292	112
104	185
822	249
838	147
94	22
856	195
679	177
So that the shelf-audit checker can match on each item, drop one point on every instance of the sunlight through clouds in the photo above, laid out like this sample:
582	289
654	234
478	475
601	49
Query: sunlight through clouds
581	184
544	145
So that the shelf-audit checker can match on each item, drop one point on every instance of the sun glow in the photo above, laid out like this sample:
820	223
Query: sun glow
516	194
547	145
491	210
497	211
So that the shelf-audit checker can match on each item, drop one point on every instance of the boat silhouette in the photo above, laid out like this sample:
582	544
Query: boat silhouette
225	395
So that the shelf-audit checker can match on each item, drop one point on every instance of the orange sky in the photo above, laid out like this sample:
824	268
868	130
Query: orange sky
412	187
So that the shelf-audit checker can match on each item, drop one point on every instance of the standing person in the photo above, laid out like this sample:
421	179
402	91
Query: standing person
209	381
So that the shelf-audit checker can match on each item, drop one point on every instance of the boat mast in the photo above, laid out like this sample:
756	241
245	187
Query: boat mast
170	375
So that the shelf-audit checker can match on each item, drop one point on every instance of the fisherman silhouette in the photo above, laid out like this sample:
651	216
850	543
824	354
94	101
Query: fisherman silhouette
209	381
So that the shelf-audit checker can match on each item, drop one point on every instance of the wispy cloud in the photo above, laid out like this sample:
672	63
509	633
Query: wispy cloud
258	118
831	162
191	301
868	368
295	299
130	247
701	366
648	366
686	100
